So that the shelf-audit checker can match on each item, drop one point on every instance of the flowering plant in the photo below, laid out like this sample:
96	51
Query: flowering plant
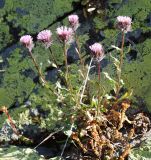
96	116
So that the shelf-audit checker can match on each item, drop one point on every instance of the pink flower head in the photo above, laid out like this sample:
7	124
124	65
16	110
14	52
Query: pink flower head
124	23
98	51
74	21
65	34
45	36
27	41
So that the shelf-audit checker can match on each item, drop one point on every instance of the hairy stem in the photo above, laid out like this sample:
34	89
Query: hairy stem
99	70
67	71
80	55
120	65
37	67
78	49
66	62
99	78
53	57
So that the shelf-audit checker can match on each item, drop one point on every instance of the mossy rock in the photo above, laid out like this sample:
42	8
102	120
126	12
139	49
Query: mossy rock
5	37
33	16
138	10
20	74
16	153
143	152
137	73
29	17
15	85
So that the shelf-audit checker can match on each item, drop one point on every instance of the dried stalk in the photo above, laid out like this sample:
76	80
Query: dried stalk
4	109
123	117
66	141
51	134
76	138
126	152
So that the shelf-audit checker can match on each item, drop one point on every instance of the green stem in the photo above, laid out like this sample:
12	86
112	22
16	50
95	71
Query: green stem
66	62
37	67
66	66
85	81
78	49
99	78
99	70
120	65
68	83
53	57
80	55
